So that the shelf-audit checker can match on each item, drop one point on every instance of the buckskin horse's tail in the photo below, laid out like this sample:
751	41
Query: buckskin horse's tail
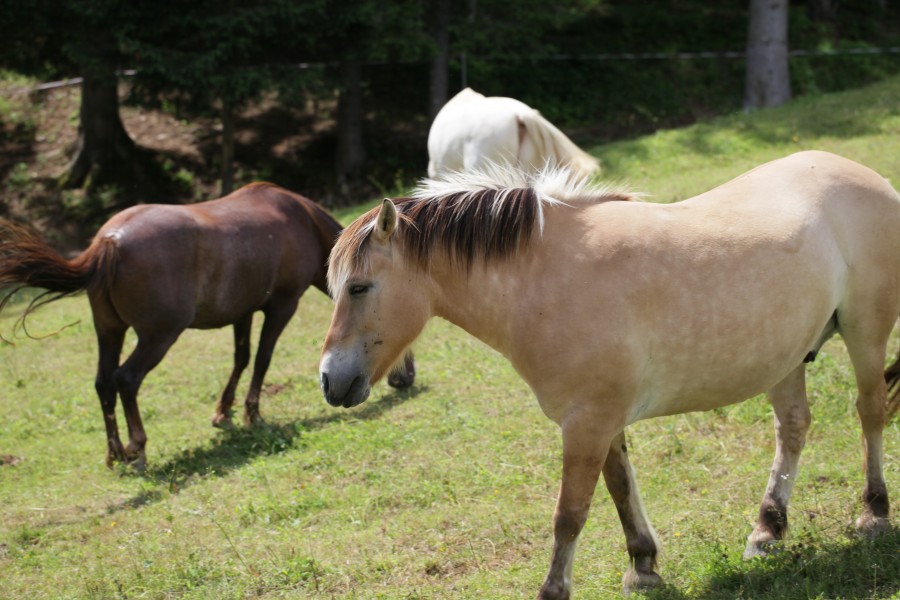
26	260
892	377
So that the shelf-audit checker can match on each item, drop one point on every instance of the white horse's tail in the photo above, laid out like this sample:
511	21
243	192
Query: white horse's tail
553	144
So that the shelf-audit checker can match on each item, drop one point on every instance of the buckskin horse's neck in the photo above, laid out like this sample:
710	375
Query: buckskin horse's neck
478	302
508	302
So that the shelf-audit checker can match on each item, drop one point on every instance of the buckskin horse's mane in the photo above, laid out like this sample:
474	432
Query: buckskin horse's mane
469	216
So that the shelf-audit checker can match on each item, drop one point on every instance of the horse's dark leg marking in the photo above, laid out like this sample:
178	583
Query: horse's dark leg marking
109	343
222	416
584	453
871	407
640	539
404	374
792	418
277	317
149	351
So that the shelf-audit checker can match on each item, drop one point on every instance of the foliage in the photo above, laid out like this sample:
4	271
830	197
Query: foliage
619	97
444	491
216	51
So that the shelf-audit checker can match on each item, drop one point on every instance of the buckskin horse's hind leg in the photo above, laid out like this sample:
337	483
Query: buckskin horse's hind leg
149	351
278	314
792	418
640	539
222	416
109	344
871	405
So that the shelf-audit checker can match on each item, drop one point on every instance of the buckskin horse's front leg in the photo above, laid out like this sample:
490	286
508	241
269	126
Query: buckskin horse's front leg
586	441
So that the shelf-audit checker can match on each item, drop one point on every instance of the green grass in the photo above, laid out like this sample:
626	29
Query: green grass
444	491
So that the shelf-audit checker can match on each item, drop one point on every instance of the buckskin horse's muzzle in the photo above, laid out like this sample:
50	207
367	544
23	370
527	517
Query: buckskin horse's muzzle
342	385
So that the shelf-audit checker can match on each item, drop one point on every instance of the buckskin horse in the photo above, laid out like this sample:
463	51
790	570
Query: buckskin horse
615	310
161	269
472	131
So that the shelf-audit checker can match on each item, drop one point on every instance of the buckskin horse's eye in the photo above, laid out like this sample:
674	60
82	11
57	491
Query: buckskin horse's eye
358	289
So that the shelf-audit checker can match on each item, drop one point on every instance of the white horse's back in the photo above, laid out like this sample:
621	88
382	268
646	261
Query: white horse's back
473	131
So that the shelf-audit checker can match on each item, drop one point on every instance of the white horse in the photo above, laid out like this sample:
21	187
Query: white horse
472	131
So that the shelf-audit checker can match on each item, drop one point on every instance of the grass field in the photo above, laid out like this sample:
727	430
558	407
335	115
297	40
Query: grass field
443	491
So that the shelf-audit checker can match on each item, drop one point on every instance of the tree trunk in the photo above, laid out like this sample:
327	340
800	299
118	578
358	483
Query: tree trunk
768	80
351	152
440	62
104	149
227	148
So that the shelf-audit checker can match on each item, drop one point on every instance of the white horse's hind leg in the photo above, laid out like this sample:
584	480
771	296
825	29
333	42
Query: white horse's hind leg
792	420
640	538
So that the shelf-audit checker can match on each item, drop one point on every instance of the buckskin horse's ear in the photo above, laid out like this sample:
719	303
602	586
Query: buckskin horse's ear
385	222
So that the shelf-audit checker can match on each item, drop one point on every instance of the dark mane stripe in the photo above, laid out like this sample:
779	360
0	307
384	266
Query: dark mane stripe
474	217
468	226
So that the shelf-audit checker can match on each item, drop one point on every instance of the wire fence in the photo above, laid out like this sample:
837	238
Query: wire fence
612	57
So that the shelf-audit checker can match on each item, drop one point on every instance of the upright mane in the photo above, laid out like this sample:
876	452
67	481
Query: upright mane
470	216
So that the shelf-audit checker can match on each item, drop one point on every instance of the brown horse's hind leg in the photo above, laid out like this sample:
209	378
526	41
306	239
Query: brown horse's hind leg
149	351
277	318
640	539
792	418
585	446
403	375
222	416
109	343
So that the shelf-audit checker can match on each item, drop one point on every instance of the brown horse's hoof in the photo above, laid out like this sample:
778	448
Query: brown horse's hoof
222	421
136	458
115	453
254	420
400	380
403	375
139	465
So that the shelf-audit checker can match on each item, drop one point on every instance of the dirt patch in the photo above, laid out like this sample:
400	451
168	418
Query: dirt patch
292	146
9	460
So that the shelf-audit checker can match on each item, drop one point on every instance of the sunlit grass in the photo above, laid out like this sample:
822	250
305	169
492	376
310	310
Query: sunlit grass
444	491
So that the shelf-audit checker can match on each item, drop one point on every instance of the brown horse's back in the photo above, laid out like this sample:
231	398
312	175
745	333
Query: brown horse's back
209	264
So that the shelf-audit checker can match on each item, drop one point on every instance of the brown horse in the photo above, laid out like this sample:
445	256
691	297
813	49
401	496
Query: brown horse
615	310
161	269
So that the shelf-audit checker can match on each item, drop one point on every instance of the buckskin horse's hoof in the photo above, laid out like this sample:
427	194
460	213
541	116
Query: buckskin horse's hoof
869	526
634	581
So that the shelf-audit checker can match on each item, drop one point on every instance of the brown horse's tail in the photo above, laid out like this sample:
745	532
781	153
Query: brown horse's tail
892	377
26	260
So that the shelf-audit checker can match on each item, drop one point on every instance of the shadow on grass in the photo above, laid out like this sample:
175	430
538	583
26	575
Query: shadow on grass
237	446
860	568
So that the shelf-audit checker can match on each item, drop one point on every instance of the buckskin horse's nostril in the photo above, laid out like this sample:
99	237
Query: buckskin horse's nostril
324	383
